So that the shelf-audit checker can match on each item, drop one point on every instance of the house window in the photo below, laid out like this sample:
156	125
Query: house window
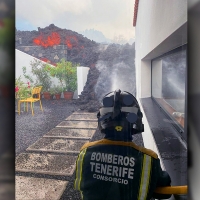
169	84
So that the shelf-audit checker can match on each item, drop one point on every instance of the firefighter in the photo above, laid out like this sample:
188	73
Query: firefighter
115	168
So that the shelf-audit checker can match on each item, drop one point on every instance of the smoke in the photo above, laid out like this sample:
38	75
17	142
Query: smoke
176	85
174	73
173	83
114	76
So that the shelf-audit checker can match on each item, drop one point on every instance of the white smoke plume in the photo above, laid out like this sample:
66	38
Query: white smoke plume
114	76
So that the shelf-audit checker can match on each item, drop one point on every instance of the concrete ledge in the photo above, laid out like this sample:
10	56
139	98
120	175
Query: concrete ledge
172	151
45	164
57	145
70	133
38	188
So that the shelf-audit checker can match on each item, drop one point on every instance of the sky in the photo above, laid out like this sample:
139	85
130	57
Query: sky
114	18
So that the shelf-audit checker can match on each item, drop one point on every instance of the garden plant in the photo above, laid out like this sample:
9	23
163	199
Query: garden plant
66	73
41	75
22	90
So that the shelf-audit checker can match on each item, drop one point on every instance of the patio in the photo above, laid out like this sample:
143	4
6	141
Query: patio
28	128
43	140
36	153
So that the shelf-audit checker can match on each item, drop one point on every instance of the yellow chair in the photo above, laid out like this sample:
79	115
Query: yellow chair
35	96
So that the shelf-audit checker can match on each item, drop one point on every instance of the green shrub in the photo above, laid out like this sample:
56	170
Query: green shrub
66	73
40	73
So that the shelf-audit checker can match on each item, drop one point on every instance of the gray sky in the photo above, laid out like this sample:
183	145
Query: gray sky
111	17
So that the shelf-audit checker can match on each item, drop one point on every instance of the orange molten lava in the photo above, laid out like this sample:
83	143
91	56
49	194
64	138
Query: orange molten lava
48	61
71	41
53	39
45	60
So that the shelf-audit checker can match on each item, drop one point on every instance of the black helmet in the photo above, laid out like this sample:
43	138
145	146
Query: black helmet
120	112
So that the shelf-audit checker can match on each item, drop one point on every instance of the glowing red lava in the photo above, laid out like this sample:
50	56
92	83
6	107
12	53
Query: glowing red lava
71	41
53	39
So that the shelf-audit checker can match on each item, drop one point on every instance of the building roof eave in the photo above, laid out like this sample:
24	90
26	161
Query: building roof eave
135	12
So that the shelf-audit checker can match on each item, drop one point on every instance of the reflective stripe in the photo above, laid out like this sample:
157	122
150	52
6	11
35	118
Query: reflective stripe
79	164
81	195
144	183
105	110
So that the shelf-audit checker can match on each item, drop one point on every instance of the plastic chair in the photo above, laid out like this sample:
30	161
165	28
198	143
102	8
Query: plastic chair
35	96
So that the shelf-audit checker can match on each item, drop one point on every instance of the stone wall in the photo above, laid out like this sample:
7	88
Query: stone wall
52	54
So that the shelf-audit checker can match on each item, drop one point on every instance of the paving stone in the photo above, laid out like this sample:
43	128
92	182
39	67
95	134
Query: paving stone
45	163
78	124
83	117
70	133
57	145
30	188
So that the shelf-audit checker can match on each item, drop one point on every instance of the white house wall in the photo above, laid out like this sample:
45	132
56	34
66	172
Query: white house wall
24	60
82	73
160	27
157	82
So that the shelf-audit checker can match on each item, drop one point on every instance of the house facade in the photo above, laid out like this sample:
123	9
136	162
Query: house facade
161	80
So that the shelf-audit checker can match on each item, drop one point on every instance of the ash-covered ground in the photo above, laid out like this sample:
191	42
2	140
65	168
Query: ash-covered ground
28	128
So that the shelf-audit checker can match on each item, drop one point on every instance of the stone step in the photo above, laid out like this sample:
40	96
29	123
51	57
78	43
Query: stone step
57	145
70	133
78	124
68	137
31	188
45	163
82	117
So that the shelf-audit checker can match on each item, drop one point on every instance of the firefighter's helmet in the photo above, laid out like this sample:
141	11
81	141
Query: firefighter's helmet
120	112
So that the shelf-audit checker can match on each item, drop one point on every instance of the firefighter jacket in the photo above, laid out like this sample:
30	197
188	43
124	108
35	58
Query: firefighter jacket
116	170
